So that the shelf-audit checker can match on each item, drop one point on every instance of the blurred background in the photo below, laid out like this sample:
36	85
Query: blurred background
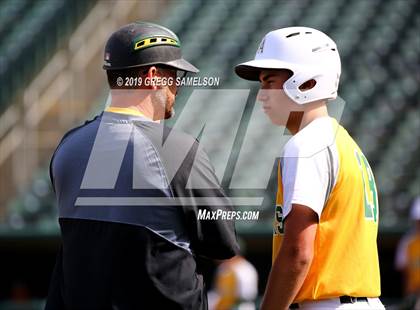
51	79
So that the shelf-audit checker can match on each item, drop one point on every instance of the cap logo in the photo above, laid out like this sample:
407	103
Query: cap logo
156	40
261	47
106	59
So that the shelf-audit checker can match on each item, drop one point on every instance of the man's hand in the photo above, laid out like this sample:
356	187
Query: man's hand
292	264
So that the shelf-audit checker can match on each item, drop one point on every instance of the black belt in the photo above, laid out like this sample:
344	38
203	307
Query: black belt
343	300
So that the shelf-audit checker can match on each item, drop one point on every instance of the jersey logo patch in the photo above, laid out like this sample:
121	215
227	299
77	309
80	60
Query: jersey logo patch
278	220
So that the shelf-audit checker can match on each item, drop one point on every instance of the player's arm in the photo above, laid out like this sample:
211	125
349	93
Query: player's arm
291	266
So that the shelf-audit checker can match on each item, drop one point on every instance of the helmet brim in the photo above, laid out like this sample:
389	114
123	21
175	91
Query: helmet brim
251	70
179	64
183	65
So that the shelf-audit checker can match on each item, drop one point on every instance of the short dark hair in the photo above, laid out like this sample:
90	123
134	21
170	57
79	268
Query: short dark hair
114	75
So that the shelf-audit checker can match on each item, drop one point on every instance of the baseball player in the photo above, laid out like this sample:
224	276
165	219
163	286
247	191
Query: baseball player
326	218
130	234
236	285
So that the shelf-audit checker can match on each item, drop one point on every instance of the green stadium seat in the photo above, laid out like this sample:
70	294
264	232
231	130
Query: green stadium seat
43	25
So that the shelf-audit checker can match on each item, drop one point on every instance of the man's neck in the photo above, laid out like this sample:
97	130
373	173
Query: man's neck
299	120
143	105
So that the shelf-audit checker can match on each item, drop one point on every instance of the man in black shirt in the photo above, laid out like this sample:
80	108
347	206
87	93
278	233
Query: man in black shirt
129	190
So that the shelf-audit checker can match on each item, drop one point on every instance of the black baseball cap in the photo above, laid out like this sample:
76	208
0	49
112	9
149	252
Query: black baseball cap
142	44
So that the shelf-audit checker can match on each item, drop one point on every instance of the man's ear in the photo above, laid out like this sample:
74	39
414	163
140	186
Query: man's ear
307	85
151	75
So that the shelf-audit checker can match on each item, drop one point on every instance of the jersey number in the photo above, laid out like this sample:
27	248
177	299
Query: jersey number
369	187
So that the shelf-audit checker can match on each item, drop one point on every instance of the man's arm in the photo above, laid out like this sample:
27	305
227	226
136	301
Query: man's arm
216	238
197	186
292	264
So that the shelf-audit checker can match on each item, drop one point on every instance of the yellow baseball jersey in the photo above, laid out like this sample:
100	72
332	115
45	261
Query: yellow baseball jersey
323	168
226	287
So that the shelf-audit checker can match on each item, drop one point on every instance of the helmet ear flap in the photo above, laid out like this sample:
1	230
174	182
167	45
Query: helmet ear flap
322	85
296	89
308	85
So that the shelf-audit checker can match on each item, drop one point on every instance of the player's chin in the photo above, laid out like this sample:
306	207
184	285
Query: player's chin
274	119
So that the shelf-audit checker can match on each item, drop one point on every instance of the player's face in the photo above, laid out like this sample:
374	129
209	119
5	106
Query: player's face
275	103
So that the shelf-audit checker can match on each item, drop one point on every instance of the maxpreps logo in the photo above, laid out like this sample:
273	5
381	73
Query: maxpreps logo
220	214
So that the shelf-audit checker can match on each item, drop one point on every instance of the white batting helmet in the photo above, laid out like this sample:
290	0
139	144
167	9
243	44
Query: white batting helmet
307	52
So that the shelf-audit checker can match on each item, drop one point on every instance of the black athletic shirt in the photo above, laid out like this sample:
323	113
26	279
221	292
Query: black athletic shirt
128	192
